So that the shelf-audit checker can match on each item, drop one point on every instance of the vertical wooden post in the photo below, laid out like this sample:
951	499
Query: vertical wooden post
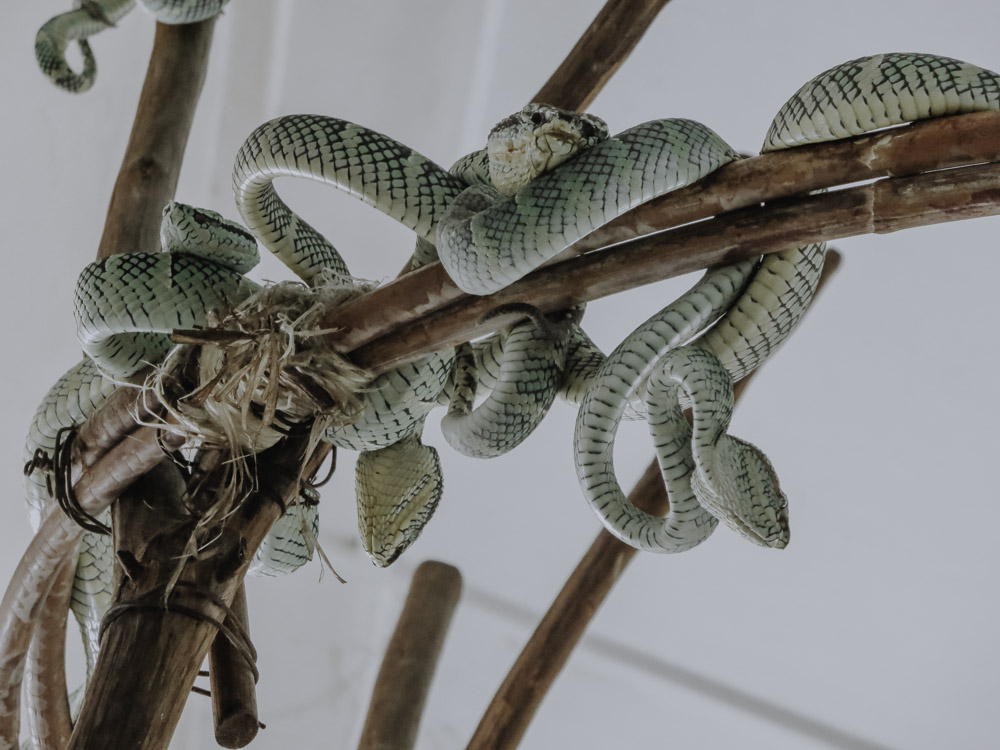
409	662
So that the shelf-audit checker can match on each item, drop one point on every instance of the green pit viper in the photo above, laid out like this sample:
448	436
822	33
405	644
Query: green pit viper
489	232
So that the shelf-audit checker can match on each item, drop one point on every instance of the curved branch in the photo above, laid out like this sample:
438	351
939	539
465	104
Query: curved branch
46	702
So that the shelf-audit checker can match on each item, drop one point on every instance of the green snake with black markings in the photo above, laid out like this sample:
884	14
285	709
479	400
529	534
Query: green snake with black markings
93	16
491	226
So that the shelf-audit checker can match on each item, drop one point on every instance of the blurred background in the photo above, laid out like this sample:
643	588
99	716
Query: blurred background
875	628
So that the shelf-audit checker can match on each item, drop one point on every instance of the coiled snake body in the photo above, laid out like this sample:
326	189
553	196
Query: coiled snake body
490	229
125	307
93	16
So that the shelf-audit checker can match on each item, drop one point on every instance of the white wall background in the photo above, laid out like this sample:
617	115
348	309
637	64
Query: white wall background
875	628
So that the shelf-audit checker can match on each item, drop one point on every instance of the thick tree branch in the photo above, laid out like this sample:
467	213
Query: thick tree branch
170	604
887	205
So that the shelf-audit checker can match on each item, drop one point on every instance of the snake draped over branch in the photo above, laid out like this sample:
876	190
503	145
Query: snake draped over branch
546	179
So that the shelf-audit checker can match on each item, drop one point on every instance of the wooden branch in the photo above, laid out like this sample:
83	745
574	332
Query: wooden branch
152	164
888	205
234	687
943	143
546	652
55	541
604	46
46	702
169	634
409	662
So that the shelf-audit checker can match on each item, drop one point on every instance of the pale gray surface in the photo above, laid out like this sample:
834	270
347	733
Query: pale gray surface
875	628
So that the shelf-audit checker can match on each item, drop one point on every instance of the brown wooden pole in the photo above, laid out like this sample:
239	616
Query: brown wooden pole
604	46
234	687
546	652
148	176
169	608
543	657
46	701
410	659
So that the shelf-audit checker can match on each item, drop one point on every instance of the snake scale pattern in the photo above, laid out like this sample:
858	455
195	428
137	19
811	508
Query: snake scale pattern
92	16
546	179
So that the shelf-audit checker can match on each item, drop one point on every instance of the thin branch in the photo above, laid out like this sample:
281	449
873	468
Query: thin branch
604	46
410	659
546	652
543	657
234	689
46	702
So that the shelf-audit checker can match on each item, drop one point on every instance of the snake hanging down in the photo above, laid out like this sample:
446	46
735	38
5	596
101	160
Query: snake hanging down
93	16
850	99
416	192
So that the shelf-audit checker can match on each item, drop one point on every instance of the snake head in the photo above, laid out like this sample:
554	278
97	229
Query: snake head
398	489
199	231
538	138
741	489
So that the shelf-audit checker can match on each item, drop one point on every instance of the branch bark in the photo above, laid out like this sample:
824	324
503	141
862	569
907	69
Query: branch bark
46	701
234	689
152	164
887	205
407	304
604	46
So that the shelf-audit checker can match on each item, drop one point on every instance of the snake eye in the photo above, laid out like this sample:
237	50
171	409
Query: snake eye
537	118
587	129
